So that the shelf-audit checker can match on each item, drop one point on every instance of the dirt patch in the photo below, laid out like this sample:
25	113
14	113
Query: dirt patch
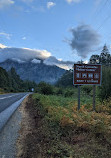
31	141
25	142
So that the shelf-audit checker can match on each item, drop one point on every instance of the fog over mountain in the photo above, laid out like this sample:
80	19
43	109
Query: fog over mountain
32	64
22	55
34	71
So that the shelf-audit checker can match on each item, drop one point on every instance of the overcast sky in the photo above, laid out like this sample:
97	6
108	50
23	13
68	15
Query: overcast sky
70	30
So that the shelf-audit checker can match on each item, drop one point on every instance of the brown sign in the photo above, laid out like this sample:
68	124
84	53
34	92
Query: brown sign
87	74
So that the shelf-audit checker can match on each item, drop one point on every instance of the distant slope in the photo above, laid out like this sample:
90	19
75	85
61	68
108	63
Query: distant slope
34	71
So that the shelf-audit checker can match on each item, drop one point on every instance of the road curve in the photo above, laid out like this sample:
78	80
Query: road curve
8	104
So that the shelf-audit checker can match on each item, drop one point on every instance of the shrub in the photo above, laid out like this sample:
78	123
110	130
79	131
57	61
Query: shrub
104	91
69	93
59	91
45	88
87	89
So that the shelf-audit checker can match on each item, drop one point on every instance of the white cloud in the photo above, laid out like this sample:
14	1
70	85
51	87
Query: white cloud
75	1
23	54
36	61
6	3
2	46
85	62
60	63
6	35
24	38
50	4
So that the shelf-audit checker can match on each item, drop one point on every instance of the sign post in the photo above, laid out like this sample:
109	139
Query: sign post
78	97
87	74
94	100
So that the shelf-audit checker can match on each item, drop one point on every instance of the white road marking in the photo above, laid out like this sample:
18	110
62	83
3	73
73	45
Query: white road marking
8	96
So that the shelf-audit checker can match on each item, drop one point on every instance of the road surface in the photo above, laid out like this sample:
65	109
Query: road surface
8	104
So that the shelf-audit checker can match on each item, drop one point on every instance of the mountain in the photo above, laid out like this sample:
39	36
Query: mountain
34	71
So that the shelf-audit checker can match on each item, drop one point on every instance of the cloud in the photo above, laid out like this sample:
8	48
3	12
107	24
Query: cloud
85	40
75	1
2	46
50	4
24	38
6	35
6	3
23	54
58	62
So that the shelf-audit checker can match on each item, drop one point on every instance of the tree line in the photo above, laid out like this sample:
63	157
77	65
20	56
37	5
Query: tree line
11	82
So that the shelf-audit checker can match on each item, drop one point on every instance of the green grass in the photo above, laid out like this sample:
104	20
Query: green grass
64	110
1	91
91	131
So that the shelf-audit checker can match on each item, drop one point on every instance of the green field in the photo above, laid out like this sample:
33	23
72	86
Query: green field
81	134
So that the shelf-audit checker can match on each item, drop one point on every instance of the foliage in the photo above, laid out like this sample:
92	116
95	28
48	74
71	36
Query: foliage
64	112
104	58
11	82
66	79
69	130
87	88
1	91
45	88
104	91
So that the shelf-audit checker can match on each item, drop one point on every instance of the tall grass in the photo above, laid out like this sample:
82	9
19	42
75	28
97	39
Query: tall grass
63	111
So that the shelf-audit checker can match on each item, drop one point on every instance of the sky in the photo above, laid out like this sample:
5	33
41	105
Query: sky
66	30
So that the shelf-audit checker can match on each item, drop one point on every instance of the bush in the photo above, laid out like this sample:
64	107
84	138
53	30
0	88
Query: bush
45	88
69	93
87	89
59	91
104	91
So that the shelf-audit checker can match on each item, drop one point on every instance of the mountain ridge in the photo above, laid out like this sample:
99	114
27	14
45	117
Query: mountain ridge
34	71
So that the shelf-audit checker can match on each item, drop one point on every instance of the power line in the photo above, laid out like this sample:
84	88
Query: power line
103	6
107	18
99	11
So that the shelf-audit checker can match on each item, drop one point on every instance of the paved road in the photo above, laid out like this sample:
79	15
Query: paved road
8	104
7	100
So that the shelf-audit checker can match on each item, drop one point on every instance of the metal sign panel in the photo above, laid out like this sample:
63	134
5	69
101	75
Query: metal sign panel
87	74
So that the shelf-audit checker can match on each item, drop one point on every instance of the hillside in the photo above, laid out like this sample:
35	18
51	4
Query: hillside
11	82
34	71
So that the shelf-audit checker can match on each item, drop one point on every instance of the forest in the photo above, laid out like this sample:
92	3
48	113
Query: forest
11	82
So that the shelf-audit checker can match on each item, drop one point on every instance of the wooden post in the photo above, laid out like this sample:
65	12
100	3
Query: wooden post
78	97
94	101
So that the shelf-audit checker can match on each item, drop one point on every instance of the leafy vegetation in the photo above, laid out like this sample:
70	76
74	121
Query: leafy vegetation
44	88
11	82
71	130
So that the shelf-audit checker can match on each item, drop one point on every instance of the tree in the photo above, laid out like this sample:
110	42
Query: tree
66	79
94	59
105	57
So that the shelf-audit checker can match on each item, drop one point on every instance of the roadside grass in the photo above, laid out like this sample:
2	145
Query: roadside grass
81	134
1	91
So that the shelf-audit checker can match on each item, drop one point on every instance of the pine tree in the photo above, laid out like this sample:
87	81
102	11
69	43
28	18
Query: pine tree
105	57
94	59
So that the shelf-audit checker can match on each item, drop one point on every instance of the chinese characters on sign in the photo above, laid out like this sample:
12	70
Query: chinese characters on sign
88	74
